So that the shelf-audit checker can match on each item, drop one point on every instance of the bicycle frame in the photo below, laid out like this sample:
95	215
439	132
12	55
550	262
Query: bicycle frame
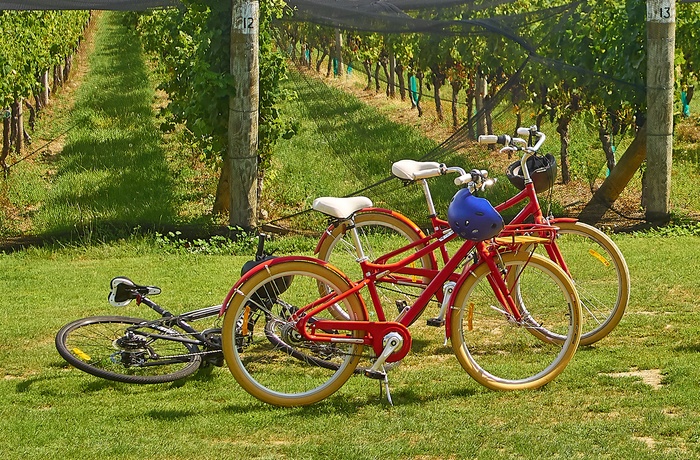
167	319
317	330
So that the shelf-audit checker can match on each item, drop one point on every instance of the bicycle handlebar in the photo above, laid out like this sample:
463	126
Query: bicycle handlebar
511	144
411	170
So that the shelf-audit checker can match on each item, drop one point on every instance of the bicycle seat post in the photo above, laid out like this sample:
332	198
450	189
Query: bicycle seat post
428	198
350	223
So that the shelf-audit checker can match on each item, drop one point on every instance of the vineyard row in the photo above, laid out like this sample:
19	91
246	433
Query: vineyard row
36	56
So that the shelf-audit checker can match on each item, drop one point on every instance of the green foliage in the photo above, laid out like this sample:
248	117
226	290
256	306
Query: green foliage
191	46
687	38
174	242
32	42
679	226
273	125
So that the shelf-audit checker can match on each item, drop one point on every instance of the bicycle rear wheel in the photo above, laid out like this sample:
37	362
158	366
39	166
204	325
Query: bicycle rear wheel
501	352
266	354
600	275
124	349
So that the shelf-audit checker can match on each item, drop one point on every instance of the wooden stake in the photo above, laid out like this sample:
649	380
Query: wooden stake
242	157
661	43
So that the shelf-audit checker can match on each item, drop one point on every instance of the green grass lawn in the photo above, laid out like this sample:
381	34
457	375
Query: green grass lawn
50	410
636	394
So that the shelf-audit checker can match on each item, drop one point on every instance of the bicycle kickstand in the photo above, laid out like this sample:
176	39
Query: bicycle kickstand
392	342
385	384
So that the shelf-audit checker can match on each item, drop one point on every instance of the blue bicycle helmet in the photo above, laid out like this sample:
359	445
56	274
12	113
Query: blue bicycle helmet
473	218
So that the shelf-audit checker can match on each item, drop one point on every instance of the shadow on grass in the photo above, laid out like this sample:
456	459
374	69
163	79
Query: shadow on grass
339	403
419	345
694	348
26	384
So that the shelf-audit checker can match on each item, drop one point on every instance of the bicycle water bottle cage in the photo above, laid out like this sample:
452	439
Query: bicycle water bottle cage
473	218
543	172
123	290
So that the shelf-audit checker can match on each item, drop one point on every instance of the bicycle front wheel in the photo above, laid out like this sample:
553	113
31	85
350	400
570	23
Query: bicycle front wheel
500	351
266	354
600	274
124	349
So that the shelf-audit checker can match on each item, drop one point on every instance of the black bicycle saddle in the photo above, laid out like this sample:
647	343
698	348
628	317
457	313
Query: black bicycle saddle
123	290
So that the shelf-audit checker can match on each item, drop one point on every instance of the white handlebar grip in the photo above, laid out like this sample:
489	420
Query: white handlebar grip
488	139
523	131
465	179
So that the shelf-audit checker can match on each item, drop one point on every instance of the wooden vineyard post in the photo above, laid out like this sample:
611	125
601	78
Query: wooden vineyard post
661	33
242	154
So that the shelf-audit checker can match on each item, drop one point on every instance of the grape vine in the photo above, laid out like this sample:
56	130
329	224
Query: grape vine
191	47
34	44
586	61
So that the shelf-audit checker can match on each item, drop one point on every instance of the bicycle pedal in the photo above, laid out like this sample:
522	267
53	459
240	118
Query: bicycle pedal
376	375
435	322
216	360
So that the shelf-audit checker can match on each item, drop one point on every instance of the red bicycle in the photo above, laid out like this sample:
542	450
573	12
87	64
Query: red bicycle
588	255
295	327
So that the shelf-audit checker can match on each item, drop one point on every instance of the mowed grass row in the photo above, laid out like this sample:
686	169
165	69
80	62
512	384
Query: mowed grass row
116	171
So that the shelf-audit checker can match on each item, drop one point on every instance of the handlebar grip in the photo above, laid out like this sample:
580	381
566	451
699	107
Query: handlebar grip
503	139
464	179
488	139
523	131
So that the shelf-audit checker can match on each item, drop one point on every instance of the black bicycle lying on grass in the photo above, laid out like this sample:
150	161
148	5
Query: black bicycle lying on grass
169	348
136	350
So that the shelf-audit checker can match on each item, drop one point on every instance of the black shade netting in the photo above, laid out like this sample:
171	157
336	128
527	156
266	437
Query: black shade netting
117	5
